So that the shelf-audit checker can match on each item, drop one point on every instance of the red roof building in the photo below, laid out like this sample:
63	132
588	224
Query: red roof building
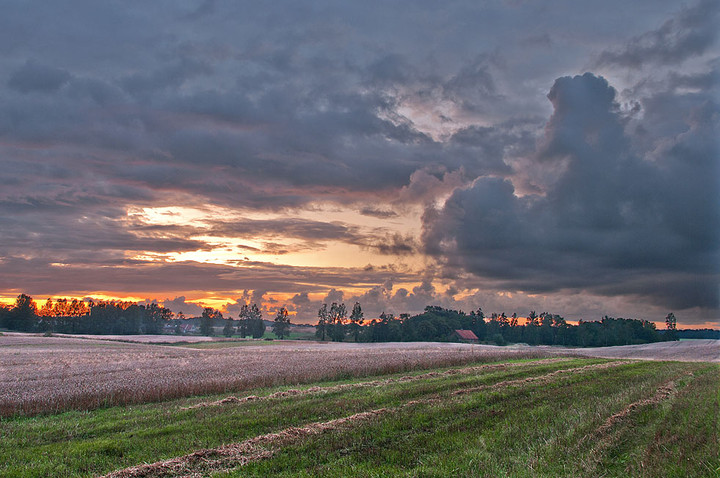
466	336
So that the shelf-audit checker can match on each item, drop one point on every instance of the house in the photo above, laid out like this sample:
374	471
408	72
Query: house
187	329
467	336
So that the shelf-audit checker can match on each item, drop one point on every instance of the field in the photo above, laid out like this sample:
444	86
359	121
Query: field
75	407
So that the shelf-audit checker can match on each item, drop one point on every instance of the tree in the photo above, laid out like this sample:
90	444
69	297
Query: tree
206	321
356	317
4	315
257	326
477	323
47	309
281	326
338	314
671	327
229	328
322	325
154	318
244	321
251	322
23	315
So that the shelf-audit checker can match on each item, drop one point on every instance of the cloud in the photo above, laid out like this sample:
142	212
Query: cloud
180	304
392	244
374	108
610	223
35	77
691	33
381	213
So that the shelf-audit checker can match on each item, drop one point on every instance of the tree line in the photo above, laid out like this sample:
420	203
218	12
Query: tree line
437	324
334	323
80	317
127	318
250	323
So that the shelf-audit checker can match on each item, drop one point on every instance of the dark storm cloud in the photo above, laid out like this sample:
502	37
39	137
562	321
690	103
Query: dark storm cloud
374	212
690	33
392	244
608	221
275	102
36	77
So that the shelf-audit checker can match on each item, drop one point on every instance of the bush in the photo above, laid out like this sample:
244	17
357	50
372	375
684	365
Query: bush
498	339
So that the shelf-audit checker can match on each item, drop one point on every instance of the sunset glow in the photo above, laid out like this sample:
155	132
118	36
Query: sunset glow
509	156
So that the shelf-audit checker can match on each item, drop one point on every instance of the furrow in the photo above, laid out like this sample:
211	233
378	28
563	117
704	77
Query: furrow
373	383
540	378
226	457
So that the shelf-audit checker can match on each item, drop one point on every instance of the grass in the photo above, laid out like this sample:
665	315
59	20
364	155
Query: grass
527	418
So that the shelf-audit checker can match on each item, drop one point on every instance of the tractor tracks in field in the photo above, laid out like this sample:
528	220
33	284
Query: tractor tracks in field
227	457
541	378
373	383
606	435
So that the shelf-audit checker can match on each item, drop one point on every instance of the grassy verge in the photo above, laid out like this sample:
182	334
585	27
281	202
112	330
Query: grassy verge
526	419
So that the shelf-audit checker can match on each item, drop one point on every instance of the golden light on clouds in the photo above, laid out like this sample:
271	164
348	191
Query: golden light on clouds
279	246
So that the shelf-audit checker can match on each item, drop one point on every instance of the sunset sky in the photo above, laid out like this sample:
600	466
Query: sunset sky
511	155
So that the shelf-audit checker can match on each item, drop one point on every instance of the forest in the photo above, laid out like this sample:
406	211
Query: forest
435	324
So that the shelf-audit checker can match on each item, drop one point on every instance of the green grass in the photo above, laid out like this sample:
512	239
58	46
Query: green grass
535	428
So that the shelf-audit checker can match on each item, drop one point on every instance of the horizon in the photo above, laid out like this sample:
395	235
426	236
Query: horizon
269	312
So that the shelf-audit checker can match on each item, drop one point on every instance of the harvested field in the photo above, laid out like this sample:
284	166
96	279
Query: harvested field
699	350
49	374
557	416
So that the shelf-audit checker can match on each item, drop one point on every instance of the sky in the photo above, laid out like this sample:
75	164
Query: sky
511	155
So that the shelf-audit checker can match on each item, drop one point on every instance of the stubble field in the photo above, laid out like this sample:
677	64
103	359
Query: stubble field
51	374
351	410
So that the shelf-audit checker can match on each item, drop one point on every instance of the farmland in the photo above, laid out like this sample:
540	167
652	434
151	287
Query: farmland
350	410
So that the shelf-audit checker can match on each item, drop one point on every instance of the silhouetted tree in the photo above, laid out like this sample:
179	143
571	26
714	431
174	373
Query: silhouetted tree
356	318
229	328
281	325
477	323
322	325
207	321
23	315
338	314
671	327
251	322
4	314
